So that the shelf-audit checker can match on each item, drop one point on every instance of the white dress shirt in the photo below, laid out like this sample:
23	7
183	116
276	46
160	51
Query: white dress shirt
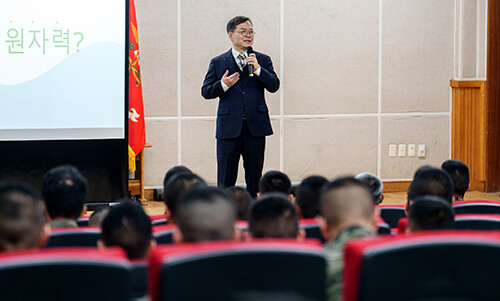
235	55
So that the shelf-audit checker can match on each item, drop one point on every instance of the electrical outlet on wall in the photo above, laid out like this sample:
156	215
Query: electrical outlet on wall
412	152
402	150
392	150
421	150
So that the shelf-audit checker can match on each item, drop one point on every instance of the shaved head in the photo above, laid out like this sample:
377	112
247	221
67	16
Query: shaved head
345	200
22	217
206	213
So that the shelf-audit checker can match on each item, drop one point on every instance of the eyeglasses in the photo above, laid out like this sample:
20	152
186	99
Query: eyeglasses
245	33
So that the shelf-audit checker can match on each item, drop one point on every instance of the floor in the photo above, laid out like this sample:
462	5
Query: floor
390	198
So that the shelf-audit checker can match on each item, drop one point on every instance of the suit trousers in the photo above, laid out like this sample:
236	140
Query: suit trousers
251	148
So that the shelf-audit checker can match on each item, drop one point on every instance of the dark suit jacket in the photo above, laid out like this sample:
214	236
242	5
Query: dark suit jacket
247	95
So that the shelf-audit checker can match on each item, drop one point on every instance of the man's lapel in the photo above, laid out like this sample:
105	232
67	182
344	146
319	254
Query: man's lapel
230	63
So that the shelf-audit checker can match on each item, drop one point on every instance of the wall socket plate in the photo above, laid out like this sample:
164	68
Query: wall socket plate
421	151
412	150
392	150
402	150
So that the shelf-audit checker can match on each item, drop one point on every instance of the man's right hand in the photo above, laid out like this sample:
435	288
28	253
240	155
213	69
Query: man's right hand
229	81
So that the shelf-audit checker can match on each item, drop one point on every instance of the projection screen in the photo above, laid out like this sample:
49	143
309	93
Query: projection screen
62	70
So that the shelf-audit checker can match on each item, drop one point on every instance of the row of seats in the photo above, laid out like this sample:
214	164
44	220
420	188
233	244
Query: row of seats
163	233
460	265
205	271
392	213
428	266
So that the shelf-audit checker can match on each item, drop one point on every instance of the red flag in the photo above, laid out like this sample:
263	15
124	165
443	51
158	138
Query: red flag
136	128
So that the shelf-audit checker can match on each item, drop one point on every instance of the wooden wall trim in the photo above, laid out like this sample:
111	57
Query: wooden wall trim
466	83
493	98
396	186
469	121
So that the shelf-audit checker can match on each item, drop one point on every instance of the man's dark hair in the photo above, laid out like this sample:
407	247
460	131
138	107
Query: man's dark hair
241	199
374	184
459	173
273	216
64	192
307	195
231	25
275	181
430	212
177	185
429	180
22	216
128	226
204	214
174	171
96	218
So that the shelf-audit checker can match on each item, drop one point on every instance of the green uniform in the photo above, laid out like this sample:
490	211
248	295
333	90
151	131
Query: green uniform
334	254
63	223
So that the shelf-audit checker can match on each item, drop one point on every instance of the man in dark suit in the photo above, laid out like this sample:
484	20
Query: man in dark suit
242	117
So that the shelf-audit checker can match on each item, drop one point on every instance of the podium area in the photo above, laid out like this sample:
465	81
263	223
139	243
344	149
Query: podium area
136	184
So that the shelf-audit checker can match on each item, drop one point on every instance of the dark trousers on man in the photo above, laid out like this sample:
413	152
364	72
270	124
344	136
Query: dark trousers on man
251	148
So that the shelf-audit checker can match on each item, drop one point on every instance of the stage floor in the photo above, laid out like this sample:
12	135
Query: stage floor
391	198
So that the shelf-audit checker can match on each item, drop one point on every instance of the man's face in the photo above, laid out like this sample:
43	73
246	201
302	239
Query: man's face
242	36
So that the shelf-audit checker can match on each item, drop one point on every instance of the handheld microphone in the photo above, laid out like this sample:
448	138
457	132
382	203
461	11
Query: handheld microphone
250	67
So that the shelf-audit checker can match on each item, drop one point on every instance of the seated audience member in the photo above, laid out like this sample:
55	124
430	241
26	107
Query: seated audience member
430	213
275	181
22	218
374	184
64	193
307	197
241	199
175	171
459	173
429	180
96	218
205	214
127	225
347	213
174	188
273	216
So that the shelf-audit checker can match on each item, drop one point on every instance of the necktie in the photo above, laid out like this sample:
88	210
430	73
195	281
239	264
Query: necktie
241	61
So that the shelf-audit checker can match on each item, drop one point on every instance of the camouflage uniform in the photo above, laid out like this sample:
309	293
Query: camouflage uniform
334	254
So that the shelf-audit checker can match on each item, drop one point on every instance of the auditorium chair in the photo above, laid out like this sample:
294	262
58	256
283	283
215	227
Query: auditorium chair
74	237
311	227
402	224
139	274
477	222
158	219
163	234
241	229
77	274
83	221
242	225
486	207
237	270
391	214
383	228
459	265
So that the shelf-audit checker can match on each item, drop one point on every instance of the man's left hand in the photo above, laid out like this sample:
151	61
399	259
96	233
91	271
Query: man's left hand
252	60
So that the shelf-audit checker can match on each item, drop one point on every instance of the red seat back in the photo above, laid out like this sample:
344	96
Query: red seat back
486	207
391	214
65	274
477	222
163	234
74	237
225	270
423	266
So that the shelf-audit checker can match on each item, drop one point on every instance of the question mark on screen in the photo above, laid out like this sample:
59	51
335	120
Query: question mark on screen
79	42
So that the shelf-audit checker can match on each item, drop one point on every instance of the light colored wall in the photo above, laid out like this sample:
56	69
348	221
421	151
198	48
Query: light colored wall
357	75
